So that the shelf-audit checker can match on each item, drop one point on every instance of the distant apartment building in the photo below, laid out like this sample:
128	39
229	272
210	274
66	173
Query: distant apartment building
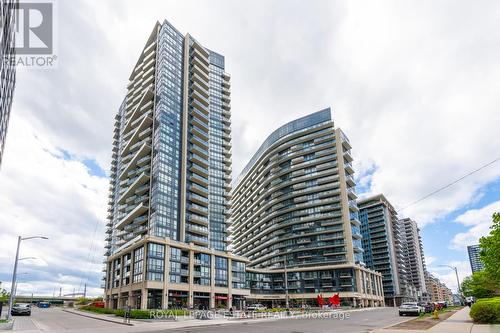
7	70
295	218
474	258
383	244
414	256
438	291
166	243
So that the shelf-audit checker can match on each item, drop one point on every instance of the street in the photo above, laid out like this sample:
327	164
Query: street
359	321
55	319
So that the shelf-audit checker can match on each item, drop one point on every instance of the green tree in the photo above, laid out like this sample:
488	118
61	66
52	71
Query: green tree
480	285
490	249
4	295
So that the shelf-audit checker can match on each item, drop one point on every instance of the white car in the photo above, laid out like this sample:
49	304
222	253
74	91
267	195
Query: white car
410	308
255	307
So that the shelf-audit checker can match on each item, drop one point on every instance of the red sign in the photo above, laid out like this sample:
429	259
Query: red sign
334	300
221	297
320	300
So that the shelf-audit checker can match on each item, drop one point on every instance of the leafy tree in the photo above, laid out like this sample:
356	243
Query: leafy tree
4	295
480	285
490	249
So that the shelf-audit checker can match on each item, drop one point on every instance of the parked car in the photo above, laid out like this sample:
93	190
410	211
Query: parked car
43	304
410	308
255	307
428	308
21	309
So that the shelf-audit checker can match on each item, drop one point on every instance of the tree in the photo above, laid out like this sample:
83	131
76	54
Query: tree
480	285
490	249
4	296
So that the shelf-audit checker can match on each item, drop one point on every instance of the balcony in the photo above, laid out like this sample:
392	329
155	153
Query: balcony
348	168
140	180
141	153
134	213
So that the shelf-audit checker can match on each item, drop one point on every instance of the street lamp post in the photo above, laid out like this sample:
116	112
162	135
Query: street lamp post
456	273
14	274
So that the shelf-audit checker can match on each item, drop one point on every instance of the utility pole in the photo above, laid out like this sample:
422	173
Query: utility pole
13	285
14	273
84	290
60	291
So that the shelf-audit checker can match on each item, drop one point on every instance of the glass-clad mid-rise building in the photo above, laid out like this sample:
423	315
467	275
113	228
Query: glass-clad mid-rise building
168	210
383	244
7	67
294	210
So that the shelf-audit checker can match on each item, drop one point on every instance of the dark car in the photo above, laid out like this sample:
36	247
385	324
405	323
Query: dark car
429	307
21	309
43	304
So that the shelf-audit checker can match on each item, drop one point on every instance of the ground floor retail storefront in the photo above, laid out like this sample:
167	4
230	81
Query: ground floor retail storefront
177	299
311	300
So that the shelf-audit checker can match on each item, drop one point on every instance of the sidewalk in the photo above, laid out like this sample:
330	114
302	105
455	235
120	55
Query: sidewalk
459	322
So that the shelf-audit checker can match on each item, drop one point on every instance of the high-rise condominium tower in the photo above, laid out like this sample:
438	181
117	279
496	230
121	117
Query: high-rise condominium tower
7	70
414	256
295	217
474	258
170	180
383	243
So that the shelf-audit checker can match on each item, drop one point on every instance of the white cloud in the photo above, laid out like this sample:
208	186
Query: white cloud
478	221
448	276
43	194
429	260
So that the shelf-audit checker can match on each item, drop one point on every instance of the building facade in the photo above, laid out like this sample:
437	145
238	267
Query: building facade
170	179
7	70
475	260
383	245
294	217
414	257
437	290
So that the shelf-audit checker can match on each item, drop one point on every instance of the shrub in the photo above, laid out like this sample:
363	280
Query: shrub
97	310
486	311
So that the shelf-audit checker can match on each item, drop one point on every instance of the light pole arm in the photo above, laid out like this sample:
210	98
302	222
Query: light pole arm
14	275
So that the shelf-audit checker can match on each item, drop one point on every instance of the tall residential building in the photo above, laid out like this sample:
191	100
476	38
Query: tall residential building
383	245
295	218
7	69
170	181
475	260
414	256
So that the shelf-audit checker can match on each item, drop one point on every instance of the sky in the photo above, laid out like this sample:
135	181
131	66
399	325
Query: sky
413	84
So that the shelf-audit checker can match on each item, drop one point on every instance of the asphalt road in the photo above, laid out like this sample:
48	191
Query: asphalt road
56	320
358	322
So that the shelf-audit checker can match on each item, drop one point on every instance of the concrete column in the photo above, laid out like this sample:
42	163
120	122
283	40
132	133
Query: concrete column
358	280
166	277
229	283
144	298
212	281
191	277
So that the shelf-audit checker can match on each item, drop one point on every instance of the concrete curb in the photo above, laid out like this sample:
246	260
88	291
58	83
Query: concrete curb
399	322
6	326
97	318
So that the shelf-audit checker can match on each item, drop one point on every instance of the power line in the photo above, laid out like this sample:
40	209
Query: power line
450	184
